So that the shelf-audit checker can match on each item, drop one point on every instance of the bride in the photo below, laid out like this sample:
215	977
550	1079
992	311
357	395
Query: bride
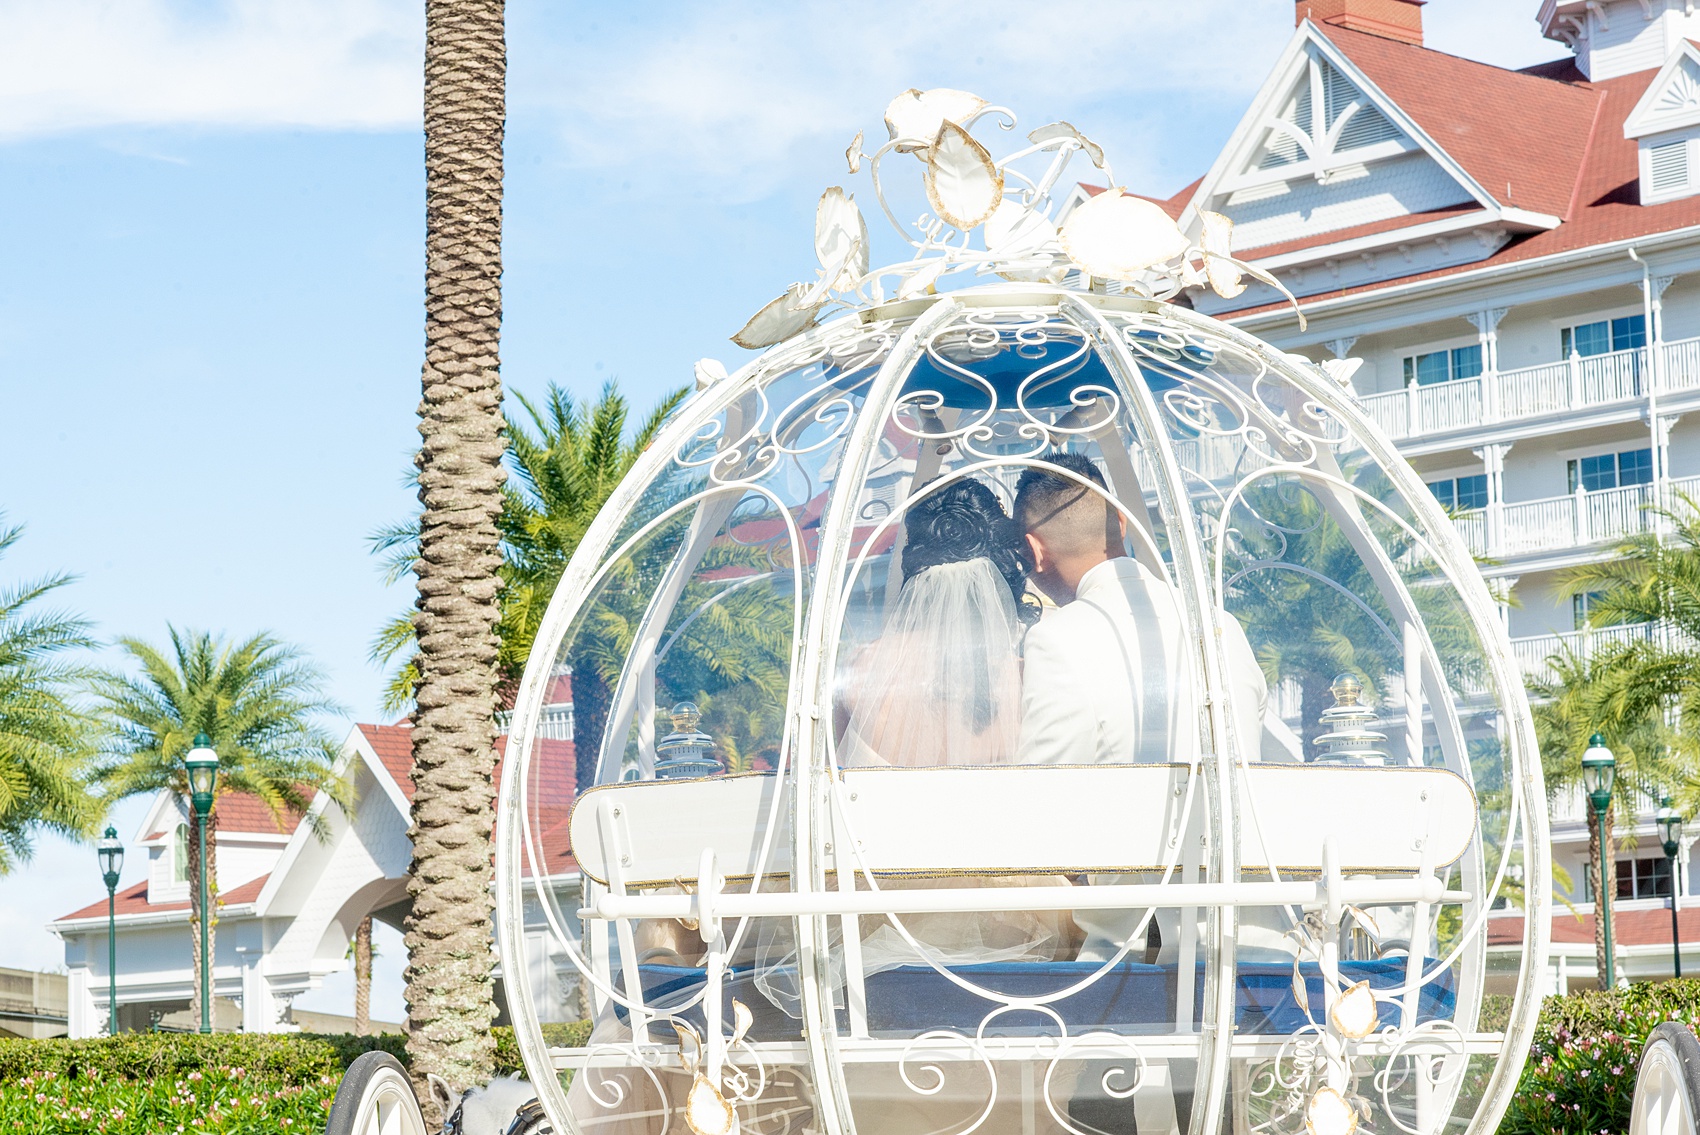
941	685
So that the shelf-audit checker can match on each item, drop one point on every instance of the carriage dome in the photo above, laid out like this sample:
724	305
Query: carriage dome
900	798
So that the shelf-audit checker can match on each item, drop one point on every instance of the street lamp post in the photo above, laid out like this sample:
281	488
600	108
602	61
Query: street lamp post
1599	772
1670	833
111	855
202	767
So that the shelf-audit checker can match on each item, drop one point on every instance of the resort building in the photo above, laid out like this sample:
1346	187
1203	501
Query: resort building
1514	256
290	895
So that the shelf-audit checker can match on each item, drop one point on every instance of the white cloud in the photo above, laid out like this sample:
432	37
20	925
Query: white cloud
335	64
732	94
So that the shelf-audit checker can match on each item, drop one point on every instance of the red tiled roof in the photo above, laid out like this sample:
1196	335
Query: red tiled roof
241	812
1516	133
134	900
553	772
1630	927
1604	192
394	746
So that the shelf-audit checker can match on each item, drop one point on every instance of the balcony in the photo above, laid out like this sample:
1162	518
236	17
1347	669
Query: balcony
1558	524
1532	392
1533	651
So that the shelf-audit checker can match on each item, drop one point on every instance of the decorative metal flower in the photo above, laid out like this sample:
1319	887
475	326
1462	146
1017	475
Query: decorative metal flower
1026	230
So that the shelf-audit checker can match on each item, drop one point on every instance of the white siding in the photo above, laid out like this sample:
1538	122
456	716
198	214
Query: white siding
1304	208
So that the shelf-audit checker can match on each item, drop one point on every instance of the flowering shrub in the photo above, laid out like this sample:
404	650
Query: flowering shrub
1580	1075
220	1099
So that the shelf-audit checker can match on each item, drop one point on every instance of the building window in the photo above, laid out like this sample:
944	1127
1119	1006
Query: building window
180	855
1611	470
1643	878
1621	334
1636	879
1461	494
1443	366
1580	604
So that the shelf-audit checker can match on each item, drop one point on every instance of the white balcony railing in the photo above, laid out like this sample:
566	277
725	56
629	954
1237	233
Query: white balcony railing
1534	651
1573	384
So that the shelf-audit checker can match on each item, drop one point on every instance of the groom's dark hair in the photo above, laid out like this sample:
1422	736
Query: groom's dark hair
1062	512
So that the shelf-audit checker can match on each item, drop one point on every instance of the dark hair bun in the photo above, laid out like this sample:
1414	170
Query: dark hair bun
965	520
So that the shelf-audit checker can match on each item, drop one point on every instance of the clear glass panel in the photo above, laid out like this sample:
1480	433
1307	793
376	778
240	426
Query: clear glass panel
676	668
958	679
1375	715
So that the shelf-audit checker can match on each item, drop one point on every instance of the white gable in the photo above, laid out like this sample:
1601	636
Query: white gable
1672	99
1322	150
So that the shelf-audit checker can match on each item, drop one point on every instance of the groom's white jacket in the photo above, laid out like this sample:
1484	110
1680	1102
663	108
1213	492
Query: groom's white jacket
1107	678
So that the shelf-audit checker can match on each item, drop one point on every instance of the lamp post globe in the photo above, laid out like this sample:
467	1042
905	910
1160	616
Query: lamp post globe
1599	775
1599	772
1669	822
110	853
201	764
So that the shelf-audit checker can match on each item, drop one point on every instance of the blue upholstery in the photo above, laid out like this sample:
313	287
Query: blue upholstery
1132	997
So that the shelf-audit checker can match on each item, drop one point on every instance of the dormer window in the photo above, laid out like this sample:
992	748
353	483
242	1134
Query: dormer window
1665	125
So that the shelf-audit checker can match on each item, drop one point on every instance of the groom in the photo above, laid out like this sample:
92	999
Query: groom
1107	677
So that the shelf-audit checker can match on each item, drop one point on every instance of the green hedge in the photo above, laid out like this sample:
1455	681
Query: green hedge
1580	1075
232	1084
291	1057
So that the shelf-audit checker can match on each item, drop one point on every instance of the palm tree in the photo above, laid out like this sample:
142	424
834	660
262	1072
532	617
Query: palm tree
256	699
565	459
361	950
1642	695
44	736
450	982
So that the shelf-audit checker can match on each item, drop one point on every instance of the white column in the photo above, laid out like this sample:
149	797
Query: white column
1493	464
1341	347
1486	323
84	1017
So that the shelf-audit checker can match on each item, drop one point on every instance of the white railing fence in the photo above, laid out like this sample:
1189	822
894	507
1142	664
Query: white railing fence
1575	383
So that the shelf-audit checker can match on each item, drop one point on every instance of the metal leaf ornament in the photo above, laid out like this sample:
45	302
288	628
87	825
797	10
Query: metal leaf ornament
963	185
841	239
1216	242
1354	1014
853	154
1329	1113
779	319
1117	236
707	1112
1055	130
914	117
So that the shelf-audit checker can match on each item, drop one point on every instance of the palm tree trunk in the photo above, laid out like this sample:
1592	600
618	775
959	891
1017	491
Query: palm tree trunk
450	990
363	977
195	913
1599	888
591	701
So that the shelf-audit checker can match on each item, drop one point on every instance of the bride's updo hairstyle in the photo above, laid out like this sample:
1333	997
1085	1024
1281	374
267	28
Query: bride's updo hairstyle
964	521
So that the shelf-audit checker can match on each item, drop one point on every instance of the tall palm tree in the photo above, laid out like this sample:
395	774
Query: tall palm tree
1642	695
565	458
450	983
258	700
44	736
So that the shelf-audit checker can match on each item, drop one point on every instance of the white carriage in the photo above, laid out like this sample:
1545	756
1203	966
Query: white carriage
1269	915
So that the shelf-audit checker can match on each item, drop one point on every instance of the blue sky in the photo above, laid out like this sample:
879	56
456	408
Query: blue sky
211	219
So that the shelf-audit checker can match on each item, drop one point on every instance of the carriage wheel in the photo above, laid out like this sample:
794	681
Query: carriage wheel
375	1098
1667	1087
